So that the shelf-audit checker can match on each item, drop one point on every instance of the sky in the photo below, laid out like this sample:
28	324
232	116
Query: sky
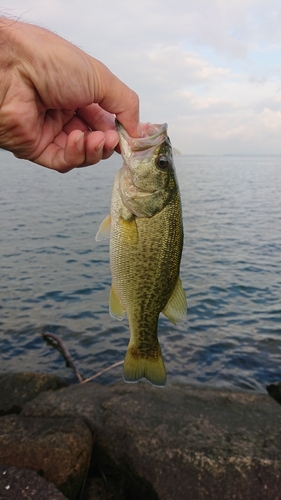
211	69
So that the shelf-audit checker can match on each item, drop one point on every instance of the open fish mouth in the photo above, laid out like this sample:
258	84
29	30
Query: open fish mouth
150	135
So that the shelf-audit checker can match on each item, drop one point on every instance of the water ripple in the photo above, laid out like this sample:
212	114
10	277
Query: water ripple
54	276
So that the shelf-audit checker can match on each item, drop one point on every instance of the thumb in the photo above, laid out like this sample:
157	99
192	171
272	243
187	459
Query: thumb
115	97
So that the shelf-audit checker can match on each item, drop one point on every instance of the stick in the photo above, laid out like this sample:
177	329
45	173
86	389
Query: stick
101	372
64	352
69	361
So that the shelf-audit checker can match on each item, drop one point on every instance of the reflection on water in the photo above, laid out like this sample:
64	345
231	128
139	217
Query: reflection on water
55	277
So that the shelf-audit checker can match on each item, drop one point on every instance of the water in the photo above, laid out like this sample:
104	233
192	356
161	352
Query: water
55	278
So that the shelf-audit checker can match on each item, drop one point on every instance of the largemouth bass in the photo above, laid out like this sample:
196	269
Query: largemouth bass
146	239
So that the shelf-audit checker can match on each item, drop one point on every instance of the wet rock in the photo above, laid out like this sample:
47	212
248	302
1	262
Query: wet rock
16	389
57	449
25	484
176	443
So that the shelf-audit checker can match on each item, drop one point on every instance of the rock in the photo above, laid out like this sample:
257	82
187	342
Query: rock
16	389
274	390
57	449
176	443
25	484
98	491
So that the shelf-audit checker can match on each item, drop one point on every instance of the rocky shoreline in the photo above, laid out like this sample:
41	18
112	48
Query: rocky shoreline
135	442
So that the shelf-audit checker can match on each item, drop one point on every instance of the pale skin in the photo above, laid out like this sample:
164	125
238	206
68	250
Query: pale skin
57	103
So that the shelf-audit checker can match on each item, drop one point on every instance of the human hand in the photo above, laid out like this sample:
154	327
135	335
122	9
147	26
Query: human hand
57	103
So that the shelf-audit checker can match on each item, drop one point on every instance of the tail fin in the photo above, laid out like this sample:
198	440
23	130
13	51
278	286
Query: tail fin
151	367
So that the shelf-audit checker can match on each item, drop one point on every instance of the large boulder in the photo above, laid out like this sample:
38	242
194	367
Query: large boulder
16	389
25	484
176	443
57	449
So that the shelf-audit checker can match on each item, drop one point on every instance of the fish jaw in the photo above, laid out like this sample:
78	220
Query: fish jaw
151	136
140	157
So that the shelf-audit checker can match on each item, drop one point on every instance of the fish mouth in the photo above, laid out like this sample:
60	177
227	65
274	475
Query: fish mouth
150	135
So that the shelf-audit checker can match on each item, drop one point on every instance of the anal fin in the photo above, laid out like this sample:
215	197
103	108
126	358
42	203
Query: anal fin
115	307
175	309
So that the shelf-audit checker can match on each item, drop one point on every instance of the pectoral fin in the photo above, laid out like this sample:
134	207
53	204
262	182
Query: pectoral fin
129	231
104	230
175	309
115	307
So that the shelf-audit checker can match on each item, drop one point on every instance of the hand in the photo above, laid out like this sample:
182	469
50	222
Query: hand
57	103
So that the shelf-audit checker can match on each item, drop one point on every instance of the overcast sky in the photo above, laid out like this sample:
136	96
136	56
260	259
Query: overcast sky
211	69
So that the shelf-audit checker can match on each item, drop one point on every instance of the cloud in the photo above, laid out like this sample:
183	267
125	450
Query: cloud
230	27
182	67
243	133
210	68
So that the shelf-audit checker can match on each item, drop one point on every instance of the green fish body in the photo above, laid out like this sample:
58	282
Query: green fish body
146	239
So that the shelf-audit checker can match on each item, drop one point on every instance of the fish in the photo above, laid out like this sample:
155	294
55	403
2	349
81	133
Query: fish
146	239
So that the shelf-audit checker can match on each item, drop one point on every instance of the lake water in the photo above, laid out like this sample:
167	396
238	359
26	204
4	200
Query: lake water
55	278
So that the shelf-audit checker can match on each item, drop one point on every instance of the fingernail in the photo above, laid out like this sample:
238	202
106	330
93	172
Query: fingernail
80	143
99	148
117	142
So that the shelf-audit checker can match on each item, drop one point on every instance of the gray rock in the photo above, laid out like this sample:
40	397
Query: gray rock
177	443
25	484
16	389
58	449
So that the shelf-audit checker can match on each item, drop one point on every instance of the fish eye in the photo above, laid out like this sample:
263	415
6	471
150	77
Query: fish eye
162	162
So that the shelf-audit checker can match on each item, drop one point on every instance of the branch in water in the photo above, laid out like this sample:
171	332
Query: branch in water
63	349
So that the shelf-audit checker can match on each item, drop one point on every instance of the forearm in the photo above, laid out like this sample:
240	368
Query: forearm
7	58
8	63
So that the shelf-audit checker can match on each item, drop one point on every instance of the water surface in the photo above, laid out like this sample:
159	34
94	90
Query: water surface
55	278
